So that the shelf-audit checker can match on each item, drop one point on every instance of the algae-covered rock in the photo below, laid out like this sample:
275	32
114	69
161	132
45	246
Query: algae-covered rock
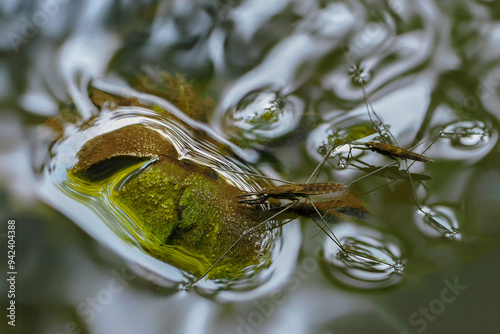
187	215
189	207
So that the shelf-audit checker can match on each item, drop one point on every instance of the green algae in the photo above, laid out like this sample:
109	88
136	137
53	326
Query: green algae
193	211
158	109
270	115
153	196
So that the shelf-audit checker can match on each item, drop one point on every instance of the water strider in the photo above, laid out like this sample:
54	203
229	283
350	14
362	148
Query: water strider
394	152
295	193
290	191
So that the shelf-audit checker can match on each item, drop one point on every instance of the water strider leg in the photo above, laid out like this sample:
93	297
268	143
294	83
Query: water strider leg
286	207
320	165
279	225
377	188
352	183
369	107
371	111
253	174
328	231
419	207
413	194
326	227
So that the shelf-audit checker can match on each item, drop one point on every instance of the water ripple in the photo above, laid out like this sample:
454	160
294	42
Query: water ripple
359	272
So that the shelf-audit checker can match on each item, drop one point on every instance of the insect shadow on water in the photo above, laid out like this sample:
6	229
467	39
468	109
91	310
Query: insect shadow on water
394	152
294	193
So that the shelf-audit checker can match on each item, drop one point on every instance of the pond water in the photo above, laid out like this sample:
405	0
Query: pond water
288	81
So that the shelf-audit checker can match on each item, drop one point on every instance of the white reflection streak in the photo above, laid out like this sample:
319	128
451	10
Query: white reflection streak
86	55
216	49
279	68
251	15
197	318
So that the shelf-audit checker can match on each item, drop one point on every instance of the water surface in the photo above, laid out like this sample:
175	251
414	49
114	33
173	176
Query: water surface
285	78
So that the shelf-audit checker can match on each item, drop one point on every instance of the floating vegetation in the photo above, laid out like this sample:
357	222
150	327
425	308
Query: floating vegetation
185	214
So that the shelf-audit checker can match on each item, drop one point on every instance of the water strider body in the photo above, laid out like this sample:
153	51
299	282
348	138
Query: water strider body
395	152
290	192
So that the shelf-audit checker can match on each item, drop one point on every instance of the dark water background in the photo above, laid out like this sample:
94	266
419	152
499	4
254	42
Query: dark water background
427	65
